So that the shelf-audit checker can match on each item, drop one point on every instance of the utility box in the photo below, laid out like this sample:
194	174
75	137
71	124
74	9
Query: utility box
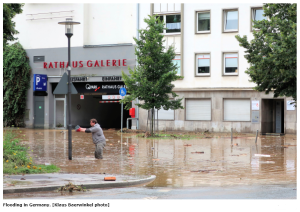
132	112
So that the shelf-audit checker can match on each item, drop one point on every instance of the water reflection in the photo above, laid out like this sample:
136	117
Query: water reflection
179	163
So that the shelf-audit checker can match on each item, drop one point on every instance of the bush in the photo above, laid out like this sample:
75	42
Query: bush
16	160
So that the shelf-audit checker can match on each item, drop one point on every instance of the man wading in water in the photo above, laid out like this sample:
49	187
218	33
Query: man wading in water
97	135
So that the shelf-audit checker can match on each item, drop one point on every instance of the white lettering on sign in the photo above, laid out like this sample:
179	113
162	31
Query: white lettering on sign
105	97
112	86
88	86
37	80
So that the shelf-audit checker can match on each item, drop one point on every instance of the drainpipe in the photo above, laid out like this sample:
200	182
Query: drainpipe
137	37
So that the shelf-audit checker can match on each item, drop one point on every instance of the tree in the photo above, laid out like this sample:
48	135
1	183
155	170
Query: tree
9	12
16	82
272	52
150	81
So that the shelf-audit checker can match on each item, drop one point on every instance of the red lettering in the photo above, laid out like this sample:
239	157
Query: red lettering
55	64
45	65
50	65
124	61
80	64
74	66
61	64
114	63
107	62
89	63
96	63
119	62
102	63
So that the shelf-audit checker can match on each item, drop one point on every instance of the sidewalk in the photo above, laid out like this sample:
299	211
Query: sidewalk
50	182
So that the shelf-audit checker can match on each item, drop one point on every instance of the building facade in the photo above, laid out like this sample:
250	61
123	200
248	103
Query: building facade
216	91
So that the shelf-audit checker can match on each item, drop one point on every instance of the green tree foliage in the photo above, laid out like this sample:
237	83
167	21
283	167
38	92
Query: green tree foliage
272	52
151	80
9	12
16	82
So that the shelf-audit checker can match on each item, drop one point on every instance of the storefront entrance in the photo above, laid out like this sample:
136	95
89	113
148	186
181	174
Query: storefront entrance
91	105
272	116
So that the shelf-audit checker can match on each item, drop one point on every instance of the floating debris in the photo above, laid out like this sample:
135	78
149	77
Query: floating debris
187	145
198	152
261	155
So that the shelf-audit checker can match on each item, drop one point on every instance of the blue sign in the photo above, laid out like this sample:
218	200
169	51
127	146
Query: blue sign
39	82
122	91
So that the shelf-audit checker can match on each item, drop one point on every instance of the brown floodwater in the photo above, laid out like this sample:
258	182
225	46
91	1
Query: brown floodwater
212	161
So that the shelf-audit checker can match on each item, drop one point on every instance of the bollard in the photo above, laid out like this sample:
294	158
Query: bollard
231	135
256	136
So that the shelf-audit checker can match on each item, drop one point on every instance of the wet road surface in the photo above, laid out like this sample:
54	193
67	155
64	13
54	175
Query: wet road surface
179	165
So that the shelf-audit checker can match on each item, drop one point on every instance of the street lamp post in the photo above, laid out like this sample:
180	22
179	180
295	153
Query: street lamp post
69	32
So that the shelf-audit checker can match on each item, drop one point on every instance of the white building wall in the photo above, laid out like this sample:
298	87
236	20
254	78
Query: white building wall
215	43
99	24
47	33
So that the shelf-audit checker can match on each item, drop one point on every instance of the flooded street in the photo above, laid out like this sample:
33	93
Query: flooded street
177	163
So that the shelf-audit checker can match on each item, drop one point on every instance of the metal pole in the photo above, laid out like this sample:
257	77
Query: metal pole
122	117
256	136
69	98
231	135
137	37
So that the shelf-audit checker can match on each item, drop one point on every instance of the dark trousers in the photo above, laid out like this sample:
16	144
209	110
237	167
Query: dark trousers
99	150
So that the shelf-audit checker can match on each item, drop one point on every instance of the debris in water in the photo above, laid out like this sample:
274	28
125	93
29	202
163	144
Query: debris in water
266	162
198	152
187	145
261	155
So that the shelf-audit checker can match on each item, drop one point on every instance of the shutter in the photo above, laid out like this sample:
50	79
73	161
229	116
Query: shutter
236	109
165	114
197	109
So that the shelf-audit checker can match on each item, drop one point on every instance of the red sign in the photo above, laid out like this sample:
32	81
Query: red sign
89	63
81	96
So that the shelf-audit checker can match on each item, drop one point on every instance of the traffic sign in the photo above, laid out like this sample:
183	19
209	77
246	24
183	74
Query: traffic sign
122	91
40	82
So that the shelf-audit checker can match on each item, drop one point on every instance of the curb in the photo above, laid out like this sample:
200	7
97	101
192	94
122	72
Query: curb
104	184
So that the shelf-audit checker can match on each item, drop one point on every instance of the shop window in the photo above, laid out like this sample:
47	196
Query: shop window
236	109
231	20
172	23
202	64
230	64
203	22
177	61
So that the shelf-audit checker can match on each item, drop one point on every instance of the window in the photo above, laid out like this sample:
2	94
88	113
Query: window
236	109
173	23
203	22
165	114
198	109
231	20
230	64
257	15
202	64
177	61
38	59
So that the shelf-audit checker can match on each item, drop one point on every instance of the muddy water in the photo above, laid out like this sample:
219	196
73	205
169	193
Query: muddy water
176	163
